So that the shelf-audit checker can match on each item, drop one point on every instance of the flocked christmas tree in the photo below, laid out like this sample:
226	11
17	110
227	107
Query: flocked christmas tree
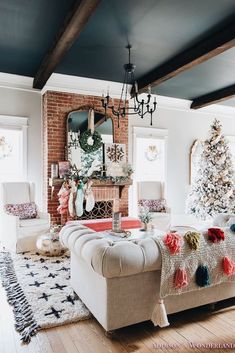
213	186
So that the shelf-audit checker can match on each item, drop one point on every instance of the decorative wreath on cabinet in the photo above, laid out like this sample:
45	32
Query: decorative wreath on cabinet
89	141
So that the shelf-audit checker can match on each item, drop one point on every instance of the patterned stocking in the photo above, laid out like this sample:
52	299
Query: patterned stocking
79	200
73	190
90	200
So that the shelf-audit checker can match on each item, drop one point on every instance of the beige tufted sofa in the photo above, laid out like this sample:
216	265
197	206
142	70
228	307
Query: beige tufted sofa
119	281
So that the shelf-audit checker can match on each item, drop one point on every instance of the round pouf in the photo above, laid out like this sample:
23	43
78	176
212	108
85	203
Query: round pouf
49	245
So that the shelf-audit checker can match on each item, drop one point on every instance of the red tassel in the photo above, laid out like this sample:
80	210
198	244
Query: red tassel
180	278
215	234
228	266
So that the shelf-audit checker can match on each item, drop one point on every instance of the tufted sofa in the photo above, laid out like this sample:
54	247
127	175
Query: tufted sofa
119	281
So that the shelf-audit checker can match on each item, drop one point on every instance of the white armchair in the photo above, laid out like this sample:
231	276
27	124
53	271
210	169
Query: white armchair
155	190
15	234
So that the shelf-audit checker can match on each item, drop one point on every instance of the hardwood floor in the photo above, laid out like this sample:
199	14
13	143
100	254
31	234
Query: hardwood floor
198	326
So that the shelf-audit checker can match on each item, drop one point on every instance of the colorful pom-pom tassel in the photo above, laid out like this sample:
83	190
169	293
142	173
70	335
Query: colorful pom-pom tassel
173	241
215	234
180	278
193	239
228	266
232	227
202	276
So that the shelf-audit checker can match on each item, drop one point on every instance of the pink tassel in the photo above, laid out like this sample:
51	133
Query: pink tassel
173	241
180	278
228	266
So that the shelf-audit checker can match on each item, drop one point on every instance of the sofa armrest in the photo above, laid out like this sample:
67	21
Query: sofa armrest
44	215
9	231
168	209
10	220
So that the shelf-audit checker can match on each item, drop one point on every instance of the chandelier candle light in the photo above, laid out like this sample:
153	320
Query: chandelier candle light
141	106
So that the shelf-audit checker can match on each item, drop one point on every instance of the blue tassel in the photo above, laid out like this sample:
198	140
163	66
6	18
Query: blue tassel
202	276
232	227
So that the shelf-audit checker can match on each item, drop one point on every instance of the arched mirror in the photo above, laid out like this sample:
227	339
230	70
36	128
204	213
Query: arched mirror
78	123
194	159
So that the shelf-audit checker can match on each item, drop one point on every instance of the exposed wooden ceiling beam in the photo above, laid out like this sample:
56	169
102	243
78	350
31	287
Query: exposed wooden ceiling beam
213	97
74	23
206	49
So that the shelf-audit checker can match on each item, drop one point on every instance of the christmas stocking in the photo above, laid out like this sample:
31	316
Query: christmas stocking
73	190
79	200
63	195
90	200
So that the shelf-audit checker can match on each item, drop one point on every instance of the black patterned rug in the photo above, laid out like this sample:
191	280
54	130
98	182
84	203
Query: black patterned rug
39	290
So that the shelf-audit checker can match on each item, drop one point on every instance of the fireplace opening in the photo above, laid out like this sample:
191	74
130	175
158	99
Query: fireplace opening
102	209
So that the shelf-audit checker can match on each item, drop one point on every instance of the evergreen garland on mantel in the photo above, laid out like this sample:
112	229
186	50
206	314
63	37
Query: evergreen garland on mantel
84	179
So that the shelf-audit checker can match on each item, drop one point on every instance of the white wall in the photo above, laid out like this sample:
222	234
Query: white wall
22	103
184	126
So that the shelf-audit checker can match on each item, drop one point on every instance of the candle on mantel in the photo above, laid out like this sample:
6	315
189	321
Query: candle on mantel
116	226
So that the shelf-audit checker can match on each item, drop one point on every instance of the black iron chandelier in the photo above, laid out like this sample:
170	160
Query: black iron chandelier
140	107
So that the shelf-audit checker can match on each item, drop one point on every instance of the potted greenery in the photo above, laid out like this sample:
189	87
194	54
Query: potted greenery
146	217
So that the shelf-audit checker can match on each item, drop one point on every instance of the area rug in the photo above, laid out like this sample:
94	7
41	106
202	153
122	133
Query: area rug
39	290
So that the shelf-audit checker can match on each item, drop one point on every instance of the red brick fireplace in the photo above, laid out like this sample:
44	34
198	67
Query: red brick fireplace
56	107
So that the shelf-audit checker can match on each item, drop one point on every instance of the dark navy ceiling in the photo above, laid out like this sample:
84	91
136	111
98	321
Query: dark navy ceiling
27	29
157	30
209	76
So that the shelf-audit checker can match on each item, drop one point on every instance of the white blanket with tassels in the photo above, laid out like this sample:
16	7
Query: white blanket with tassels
209	254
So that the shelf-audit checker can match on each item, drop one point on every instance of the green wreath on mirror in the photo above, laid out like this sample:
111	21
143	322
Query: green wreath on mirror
89	141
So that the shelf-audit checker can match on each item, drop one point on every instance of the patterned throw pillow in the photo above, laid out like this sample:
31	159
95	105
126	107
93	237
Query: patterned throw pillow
22	210
154	205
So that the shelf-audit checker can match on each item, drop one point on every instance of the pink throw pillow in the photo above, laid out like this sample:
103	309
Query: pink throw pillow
154	205
22	210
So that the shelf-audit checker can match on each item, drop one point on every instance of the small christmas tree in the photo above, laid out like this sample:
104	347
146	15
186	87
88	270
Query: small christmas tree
213	186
